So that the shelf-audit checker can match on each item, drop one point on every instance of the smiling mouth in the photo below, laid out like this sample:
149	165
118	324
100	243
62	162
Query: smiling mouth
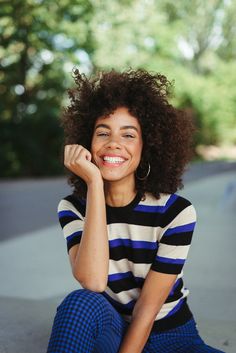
115	161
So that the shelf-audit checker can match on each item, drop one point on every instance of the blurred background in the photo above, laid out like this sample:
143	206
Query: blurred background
194	44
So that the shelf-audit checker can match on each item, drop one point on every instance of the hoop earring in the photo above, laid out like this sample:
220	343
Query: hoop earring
145	176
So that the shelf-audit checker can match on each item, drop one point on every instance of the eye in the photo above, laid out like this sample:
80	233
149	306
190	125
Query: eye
129	136
102	134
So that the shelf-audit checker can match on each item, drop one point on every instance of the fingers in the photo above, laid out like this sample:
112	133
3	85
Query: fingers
79	161
68	154
75	154
75	150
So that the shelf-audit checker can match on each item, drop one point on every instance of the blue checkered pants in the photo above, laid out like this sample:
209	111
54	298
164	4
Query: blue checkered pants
86	322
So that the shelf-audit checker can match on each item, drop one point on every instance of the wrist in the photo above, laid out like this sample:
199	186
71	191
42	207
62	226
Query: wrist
95	183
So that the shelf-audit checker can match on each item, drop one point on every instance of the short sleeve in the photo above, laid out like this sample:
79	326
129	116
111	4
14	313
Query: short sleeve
175	242
71	221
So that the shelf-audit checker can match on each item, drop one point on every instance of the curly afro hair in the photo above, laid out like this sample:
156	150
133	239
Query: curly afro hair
167	132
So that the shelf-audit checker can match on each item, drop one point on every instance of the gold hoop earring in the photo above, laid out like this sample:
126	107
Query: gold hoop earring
145	176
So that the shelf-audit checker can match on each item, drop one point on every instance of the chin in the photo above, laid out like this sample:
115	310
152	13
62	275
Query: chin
111	178
108	177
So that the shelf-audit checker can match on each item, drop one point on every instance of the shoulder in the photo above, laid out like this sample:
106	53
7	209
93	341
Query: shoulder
170	205
72	203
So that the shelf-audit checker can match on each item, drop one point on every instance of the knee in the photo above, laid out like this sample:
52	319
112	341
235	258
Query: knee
83	300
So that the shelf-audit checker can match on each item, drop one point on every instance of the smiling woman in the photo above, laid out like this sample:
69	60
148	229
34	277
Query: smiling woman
116	149
166	131
127	235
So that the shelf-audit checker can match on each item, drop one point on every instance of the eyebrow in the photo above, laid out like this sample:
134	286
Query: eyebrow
125	127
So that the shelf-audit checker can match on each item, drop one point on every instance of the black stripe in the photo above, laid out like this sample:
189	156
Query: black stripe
162	267
179	318
150	219
177	293
137	218
124	284
77	203
130	283
146	256
177	238
178	206
72	242
66	220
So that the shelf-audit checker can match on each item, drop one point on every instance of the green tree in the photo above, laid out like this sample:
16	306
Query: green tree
192	43
40	43
185	41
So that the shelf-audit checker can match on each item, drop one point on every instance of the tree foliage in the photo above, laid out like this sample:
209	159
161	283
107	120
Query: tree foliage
193	43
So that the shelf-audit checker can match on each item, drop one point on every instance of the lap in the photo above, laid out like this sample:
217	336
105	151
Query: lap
110	328
183	339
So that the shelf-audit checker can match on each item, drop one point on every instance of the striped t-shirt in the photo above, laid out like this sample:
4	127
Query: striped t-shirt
143	235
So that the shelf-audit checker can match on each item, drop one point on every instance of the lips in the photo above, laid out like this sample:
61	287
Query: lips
113	159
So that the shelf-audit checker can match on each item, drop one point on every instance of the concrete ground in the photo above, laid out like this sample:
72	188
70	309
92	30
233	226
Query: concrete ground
35	273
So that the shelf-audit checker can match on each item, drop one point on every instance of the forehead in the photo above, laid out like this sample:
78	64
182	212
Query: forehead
120	117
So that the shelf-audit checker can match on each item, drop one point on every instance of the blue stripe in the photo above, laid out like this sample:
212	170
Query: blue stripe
176	308
73	235
139	279
135	244
174	287
129	305
67	214
170	261
181	229
119	276
157	209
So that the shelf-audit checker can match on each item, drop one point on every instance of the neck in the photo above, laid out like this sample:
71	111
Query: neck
118	195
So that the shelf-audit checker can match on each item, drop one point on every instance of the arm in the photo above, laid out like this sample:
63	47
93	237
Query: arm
171	255
156	288
90	259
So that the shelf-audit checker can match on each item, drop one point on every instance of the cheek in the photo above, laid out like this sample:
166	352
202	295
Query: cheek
138	152
93	151
140	149
94	146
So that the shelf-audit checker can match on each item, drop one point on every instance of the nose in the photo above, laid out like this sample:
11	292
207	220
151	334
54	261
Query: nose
113	143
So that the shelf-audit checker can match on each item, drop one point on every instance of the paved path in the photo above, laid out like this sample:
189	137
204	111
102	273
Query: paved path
35	273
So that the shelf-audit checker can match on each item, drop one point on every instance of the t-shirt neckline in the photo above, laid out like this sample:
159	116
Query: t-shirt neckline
127	207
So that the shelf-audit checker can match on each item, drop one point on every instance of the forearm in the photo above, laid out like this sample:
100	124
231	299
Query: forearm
153	295
92	259
137	334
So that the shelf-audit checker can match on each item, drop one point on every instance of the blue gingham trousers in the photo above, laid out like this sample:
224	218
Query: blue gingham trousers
86	322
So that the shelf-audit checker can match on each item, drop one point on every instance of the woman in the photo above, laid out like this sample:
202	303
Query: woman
127	232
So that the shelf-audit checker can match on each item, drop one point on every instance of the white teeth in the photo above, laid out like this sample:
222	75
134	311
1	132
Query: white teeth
113	159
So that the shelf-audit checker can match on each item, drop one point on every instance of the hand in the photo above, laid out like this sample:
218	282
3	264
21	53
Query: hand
78	160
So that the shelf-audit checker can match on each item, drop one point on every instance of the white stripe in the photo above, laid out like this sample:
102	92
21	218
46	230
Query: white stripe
72	227
134	232
65	205
152	201
173	252
188	215
124	297
166	308
124	265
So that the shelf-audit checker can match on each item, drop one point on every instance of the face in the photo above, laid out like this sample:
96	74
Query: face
117	145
